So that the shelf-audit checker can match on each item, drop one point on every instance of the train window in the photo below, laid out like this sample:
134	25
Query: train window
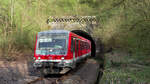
72	44
84	45
81	45
77	44
53	42
87	46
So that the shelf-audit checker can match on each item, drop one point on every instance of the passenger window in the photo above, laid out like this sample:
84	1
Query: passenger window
81	45
72	44
77	44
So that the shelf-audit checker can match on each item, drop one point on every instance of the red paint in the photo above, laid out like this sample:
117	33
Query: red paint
69	54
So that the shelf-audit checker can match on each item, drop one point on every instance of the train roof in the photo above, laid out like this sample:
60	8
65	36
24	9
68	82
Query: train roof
61	32
54	31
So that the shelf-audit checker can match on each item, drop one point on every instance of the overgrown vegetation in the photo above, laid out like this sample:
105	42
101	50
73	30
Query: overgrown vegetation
124	24
121	68
20	20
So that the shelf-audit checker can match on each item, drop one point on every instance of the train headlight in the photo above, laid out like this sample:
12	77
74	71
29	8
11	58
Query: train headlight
62	58
39	58
34	58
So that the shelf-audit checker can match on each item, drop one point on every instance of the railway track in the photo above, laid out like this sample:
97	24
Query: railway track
42	80
57	79
54	79
48	79
85	73
24	73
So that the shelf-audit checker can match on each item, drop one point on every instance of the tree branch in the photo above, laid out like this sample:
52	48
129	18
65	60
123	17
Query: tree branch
133	26
115	5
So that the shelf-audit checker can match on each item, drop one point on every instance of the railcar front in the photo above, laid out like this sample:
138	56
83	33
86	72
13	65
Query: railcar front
51	51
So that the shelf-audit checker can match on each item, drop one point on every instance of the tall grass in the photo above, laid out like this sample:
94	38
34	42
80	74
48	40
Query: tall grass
122	68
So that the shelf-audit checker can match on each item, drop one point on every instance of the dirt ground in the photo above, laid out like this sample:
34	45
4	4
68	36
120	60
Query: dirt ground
21	72
15	72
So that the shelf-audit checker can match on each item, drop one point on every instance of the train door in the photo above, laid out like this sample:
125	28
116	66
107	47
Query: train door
73	49
77	48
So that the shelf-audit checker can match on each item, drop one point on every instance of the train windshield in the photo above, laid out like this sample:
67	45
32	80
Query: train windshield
52	44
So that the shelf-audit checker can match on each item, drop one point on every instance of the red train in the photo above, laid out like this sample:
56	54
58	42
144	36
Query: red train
57	51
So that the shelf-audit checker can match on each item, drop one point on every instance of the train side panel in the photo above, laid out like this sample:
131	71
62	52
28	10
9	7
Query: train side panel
81	45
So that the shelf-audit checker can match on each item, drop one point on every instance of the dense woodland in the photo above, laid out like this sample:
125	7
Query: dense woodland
124	25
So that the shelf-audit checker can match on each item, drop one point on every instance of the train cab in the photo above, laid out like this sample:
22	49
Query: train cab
56	50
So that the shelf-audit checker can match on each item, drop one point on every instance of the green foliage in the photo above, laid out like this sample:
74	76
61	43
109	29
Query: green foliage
124	76
20	20
124	24
122	68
